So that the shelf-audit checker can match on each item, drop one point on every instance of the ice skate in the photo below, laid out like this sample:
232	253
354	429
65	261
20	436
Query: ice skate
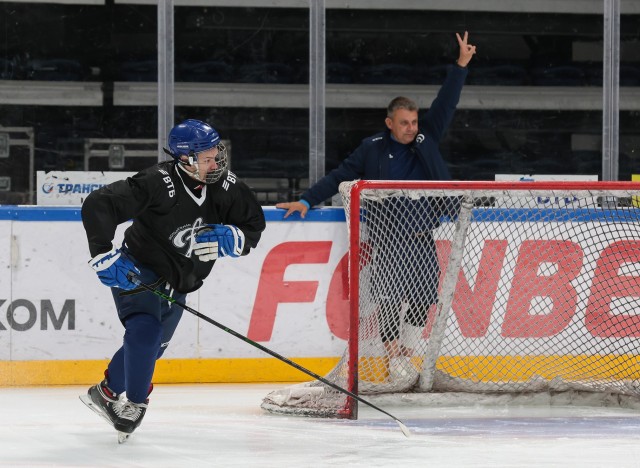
123	415
102	400
129	417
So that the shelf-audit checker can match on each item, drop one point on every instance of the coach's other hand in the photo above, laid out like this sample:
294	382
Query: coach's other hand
292	207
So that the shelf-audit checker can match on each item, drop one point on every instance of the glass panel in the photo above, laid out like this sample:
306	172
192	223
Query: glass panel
70	72
48	42
498	141
268	148
531	102
133	40
629	145
242	45
629	89
264	52
67	58
414	47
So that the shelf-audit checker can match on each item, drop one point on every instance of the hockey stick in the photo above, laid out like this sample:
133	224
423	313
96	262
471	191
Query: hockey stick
136	281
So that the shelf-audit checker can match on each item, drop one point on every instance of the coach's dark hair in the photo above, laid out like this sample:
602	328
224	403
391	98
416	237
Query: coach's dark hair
401	102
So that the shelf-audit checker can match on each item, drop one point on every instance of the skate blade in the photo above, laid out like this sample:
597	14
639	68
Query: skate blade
89	404
123	437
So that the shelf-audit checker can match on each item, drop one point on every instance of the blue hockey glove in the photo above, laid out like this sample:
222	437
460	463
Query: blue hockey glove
113	267
216	241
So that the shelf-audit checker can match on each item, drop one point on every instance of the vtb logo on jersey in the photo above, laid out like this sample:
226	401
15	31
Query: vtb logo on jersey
184	238
167	180
231	179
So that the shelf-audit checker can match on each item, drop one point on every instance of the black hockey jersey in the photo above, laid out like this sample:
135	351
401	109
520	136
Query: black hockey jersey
167	210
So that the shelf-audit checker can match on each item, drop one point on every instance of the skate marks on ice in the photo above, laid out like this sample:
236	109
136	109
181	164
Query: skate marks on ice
534	423
568	414
222	425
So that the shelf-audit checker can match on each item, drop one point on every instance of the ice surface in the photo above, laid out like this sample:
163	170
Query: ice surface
223	426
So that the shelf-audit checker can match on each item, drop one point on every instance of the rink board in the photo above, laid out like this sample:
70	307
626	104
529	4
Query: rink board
58	324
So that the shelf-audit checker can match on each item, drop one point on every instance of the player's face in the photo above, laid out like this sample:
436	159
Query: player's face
206	163
403	125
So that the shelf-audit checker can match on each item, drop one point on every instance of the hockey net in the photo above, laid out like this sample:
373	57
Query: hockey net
485	287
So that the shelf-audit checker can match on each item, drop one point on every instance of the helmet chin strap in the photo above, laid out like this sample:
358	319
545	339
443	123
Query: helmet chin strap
193	161
197	176
192	158
194	175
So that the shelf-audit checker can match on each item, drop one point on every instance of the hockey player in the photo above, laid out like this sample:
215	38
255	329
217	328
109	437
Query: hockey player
186	214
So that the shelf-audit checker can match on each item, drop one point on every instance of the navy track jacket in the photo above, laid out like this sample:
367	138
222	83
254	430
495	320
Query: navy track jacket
370	160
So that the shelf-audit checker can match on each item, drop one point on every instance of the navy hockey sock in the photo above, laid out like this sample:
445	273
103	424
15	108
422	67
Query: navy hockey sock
141	344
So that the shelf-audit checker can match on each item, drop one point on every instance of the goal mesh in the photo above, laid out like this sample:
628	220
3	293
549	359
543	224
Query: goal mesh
485	287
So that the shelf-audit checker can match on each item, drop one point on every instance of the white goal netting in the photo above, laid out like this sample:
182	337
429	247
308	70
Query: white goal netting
485	288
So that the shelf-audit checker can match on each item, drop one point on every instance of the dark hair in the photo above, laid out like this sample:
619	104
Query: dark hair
401	102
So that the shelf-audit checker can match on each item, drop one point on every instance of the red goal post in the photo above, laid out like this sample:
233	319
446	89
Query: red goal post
486	287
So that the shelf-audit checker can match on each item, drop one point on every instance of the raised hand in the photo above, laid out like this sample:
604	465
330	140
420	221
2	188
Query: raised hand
466	50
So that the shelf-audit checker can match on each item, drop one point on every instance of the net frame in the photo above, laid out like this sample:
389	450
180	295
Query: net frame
608	192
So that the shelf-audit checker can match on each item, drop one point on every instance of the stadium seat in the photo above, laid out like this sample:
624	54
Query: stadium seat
141	70
7	69
431	74
264	73
498	75
210	71
386	73
339	72
55	70
562	75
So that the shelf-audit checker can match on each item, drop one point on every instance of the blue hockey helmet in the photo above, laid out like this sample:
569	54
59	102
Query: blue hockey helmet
192	137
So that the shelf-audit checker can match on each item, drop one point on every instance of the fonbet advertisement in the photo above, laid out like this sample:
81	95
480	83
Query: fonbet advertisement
289	294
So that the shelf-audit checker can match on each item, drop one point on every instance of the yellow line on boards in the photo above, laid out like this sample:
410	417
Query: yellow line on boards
236	370
19	373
